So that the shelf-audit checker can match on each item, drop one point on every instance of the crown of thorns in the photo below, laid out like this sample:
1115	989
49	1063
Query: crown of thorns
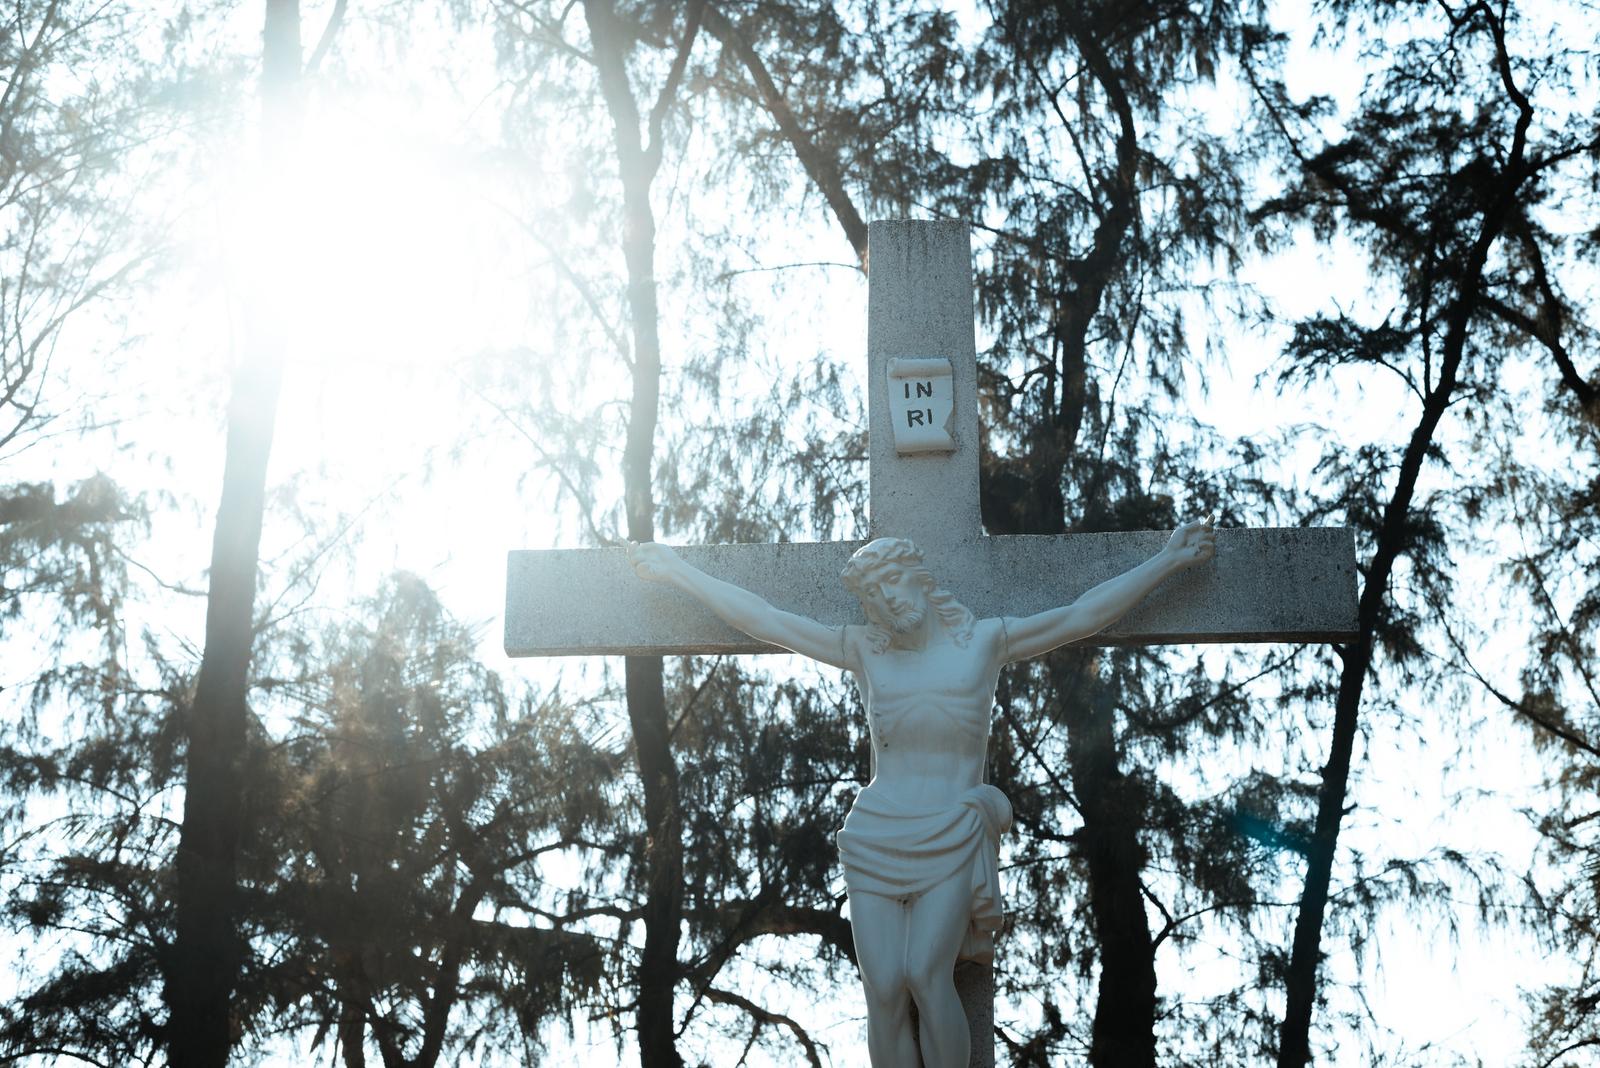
878	553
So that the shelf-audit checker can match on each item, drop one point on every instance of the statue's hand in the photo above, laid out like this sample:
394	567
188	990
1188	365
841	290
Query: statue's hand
1193	543
653	561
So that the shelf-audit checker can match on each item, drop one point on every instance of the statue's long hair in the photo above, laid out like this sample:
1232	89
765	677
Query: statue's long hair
884	552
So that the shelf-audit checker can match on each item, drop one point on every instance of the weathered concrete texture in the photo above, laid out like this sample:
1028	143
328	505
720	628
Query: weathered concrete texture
975	985
1272	584
920	304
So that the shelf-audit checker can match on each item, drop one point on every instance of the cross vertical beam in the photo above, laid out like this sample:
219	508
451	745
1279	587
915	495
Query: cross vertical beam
920	304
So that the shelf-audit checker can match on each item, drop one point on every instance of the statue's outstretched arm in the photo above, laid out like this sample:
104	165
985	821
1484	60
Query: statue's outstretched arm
740	608
1191	544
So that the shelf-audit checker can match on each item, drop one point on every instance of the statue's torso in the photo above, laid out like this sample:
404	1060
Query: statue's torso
928	712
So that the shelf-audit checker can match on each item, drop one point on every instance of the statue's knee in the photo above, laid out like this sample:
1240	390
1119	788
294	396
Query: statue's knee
931	983
888	1006
884	984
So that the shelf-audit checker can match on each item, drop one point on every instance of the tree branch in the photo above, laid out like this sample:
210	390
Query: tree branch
669	90
767	1016
329	32
823	171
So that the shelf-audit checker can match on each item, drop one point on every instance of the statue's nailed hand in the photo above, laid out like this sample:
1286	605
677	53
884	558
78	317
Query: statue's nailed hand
653	561
1193	543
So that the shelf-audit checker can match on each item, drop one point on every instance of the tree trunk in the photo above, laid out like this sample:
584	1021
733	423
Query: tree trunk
1111	805
1294	1040
203	966
659	969
352	1035
1113	812
1294	1044
663	862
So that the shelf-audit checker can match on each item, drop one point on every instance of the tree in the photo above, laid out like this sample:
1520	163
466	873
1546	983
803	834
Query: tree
720	479
68	242
202	970
638	143
1120	222
1446	200
413	798
639	148
65	215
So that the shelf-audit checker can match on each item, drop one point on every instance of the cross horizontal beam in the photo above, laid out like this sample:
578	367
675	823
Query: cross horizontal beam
1264	585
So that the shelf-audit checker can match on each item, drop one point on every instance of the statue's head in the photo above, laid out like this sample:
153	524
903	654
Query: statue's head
897	591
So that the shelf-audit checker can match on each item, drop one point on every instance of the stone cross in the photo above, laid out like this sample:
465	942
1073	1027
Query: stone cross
1277	585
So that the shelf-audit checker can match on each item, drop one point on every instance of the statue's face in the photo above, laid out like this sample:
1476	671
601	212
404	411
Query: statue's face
895	597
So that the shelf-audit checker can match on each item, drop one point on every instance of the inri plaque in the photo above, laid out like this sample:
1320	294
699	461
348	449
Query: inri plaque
921	400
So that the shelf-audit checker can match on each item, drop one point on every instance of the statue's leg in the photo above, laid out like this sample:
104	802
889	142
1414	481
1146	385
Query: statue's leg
880	926
939	920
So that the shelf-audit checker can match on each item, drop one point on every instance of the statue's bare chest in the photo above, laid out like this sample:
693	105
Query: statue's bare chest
942	694
939	673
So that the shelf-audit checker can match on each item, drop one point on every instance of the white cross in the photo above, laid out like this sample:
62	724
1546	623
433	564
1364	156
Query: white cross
1265	585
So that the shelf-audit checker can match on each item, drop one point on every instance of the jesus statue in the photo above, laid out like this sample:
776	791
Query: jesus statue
920	846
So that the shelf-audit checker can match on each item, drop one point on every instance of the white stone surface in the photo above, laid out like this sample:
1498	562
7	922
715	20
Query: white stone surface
920	304
921	404
1266	585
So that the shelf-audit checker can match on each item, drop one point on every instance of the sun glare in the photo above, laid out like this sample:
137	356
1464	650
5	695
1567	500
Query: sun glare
373	232
389	243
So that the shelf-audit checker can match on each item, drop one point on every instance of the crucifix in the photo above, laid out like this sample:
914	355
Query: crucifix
1242	585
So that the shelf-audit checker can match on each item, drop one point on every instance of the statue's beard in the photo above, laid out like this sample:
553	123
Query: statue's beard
906	622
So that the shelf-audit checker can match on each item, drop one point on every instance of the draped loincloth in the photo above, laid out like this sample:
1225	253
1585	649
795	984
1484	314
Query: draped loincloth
892	850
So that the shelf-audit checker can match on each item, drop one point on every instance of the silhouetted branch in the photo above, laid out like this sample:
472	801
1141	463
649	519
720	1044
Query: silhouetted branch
726	997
